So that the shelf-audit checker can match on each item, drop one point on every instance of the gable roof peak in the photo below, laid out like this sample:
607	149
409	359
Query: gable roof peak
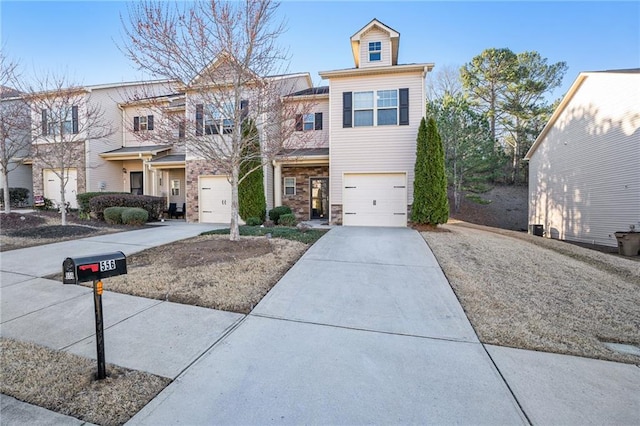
394	36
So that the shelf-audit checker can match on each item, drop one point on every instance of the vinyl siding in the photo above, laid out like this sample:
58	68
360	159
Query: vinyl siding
584	178
377	148
375	34
313	138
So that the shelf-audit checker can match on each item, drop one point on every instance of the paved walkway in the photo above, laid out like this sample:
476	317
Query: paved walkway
363	329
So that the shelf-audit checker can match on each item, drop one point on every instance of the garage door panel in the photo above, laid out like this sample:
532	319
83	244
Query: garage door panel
375	199
215	199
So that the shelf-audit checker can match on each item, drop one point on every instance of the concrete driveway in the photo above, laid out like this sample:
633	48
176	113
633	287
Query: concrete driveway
363	329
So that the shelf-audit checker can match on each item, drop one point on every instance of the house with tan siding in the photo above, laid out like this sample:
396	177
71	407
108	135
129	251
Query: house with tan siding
349	158
584	167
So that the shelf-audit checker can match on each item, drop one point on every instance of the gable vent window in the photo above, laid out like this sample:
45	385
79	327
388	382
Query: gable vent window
375	51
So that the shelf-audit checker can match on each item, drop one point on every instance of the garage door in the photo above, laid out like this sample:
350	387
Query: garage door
215	199
52	187
374	199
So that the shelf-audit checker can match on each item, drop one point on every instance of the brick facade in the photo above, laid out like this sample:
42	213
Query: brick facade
300	203
46	151
193	169
336	214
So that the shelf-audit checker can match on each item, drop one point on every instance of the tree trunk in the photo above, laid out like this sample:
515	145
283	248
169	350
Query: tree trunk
456	187
234	229
63	206
7	200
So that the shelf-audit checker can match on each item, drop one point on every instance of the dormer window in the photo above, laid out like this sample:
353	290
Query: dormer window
375	51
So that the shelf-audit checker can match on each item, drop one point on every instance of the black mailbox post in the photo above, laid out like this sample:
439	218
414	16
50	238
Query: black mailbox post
94	268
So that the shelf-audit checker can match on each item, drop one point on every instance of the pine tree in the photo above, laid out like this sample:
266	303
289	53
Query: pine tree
250	189
430	203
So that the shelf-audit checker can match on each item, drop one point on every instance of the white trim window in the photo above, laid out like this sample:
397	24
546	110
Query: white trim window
387	108
308	122
175	187
289	186
375	51
216	118
363	109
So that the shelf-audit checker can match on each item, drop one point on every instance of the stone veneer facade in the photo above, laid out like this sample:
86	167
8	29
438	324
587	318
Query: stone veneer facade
193	169
39	166
336	214
300	203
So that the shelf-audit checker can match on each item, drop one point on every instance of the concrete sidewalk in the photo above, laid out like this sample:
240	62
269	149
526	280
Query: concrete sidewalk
363	329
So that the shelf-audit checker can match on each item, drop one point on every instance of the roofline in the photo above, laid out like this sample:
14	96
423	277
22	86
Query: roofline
427	67
127	84
556	114
305	97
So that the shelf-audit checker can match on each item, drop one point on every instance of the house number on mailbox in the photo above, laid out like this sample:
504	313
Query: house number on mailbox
107	265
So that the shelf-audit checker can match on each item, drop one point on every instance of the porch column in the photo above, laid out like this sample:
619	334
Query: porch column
277	184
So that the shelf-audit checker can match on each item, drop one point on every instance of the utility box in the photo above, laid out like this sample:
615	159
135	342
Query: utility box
93	268
628	243
537	230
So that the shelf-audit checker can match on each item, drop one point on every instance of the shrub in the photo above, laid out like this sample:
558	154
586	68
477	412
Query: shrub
153	205
288	219
17	196
254	221
84	199
47	204
113	215
276	212
134	216
251	201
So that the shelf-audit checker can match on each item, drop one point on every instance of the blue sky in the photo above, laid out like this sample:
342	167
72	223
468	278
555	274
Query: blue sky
79	37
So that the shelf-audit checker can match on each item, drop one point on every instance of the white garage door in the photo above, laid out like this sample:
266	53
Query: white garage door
214	199
374	199
52	187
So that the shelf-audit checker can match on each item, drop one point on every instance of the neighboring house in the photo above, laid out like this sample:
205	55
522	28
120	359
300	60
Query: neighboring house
348	158
19	164
584	168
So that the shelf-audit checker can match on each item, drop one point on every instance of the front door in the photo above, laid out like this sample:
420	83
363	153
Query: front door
135	180
319	198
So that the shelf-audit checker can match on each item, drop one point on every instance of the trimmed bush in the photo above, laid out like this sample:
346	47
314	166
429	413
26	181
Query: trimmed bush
254	221
17	196
276	212
113	215
153	205
134	216
84	199
288	219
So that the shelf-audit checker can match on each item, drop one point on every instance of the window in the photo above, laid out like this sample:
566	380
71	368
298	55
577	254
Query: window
289	186
175	187
216	118
307	122
387	107
391	108
375	50
363	109
64	121
143	122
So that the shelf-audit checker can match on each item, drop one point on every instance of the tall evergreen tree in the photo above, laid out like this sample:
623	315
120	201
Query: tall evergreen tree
430	202
251	187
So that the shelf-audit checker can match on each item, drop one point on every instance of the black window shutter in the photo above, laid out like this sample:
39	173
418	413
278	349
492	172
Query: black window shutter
74	119
149	122
182	126
136	124
318	121
244	109
298	122
45	125
199	119
404	107
346	109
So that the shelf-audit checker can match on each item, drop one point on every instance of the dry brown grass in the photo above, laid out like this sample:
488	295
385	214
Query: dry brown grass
209	271
63	382
535	293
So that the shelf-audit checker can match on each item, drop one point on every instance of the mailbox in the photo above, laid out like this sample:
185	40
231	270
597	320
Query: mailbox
93	268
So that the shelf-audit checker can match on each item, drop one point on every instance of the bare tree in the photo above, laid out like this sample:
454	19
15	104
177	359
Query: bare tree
445	81
64	120
15	124
221	52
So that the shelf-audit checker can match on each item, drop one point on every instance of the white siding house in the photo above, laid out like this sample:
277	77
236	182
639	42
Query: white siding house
584	168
